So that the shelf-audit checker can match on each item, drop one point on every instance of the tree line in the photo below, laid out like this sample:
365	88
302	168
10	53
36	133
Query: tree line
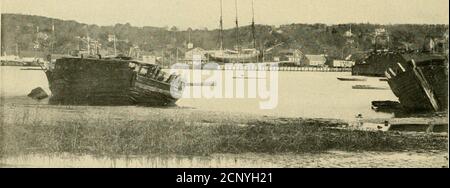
42	34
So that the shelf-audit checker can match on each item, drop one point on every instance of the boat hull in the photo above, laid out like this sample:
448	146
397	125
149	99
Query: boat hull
352	79
420	86
101	82
376	63
235	58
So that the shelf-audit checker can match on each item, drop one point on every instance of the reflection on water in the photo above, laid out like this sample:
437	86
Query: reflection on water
301	94
249	160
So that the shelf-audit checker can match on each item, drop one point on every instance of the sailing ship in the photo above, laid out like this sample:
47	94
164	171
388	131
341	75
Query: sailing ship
238	55
420	81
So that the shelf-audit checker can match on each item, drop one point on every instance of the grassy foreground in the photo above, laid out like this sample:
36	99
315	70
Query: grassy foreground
24	132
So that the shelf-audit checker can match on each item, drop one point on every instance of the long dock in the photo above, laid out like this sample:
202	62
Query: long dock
292	69
298	69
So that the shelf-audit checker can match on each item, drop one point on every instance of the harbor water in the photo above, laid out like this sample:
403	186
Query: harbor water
300	94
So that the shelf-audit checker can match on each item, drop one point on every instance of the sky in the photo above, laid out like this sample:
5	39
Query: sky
199	14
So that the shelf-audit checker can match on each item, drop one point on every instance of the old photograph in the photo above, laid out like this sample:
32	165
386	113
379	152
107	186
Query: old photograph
224	84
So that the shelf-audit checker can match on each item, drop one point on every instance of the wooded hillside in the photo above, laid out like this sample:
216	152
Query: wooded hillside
28	31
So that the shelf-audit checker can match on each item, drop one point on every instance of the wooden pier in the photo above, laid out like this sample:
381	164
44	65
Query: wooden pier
297	69
275	68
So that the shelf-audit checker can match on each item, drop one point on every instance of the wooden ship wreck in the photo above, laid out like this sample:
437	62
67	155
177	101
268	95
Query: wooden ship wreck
111	81
420	80
375	62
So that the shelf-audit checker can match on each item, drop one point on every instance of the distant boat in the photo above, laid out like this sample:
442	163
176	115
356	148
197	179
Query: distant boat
202	84
352	79
369	87
230	56
248	77
385	105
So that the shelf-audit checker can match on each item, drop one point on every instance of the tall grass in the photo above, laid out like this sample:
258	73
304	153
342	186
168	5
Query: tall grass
27	133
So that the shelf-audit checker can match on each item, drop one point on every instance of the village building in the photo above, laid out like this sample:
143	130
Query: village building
343	64
148	57
195	52
315	60
291	56
9	58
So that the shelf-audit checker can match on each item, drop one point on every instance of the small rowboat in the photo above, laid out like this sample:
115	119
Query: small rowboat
369	87
352	79
202	84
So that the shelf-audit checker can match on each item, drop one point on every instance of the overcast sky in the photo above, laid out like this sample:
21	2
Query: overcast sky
206	13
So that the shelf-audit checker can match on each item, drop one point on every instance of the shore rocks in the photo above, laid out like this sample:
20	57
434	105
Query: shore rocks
38	94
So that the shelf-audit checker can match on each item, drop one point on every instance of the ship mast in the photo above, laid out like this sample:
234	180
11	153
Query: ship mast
221	25
237	31
53	37
253	25
1	47
254	28
237	25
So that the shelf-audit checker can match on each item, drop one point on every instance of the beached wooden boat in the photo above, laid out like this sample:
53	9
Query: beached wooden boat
93	81
420	82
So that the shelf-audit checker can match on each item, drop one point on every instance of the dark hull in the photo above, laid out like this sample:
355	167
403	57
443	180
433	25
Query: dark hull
352	79
101	82
247	59
376	63
422	85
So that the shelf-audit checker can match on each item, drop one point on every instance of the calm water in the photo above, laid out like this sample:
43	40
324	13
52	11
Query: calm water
300	94
333	159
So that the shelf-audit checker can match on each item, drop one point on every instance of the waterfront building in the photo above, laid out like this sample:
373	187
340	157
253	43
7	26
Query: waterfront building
315	60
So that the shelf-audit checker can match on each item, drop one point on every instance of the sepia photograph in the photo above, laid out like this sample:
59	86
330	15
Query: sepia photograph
224	84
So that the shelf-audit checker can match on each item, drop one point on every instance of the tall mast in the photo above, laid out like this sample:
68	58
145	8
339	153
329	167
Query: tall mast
237	26
53	37
1	47
253	25
221	25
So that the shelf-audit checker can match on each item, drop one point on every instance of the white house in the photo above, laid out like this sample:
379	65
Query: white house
149	59
9	58
195	52
316	60
343	63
